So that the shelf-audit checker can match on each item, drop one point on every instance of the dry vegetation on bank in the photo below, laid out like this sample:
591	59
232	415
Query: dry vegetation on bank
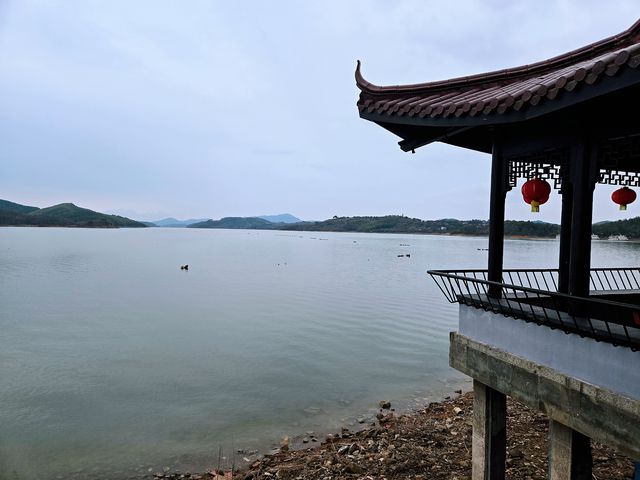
432	443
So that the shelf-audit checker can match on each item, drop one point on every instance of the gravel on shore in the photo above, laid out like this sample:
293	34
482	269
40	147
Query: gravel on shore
431	443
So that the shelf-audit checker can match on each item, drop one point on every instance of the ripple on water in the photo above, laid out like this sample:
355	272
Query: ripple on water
111	355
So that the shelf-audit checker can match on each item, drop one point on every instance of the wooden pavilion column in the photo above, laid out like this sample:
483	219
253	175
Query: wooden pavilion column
489	446
583	174
499	188
565	235
570	451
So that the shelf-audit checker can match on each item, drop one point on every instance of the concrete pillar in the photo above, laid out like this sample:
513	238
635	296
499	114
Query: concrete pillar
489	441
569	453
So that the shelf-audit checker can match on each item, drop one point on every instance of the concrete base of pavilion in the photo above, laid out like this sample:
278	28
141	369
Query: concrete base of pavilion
578	411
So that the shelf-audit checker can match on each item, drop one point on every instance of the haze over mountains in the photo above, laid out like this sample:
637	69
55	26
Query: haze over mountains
174	223
282	218
70	215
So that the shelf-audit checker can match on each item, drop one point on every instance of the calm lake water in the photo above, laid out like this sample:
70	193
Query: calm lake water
113	361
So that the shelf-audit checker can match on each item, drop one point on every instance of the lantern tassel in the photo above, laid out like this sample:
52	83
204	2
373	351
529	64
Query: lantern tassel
623	207
535	206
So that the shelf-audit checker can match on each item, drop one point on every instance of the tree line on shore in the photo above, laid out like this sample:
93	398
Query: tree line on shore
403	224
70	215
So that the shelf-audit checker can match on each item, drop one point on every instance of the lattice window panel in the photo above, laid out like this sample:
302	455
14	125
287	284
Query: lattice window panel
617	177
617	158
616	153
550	172
613	151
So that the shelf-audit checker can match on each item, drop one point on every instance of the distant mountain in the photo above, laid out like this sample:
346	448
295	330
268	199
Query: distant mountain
282	218
402	224
62	215
7	206
237	222
175	223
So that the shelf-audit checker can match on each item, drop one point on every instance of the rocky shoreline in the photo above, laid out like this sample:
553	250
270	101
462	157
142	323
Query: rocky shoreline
433	442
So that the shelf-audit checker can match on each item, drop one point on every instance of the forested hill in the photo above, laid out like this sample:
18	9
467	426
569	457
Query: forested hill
237	222
7	206
402	224
62	215
629	228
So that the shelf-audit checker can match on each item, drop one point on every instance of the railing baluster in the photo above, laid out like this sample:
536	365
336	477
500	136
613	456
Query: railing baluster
511	311
526	274
627	336
544	278
544	311
558	311
470	296
535	277
510	277
606	324
453	291
593	318
620	283
602	285
533	313
613	278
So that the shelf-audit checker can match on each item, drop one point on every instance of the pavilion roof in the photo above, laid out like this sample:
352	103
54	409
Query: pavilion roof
506	95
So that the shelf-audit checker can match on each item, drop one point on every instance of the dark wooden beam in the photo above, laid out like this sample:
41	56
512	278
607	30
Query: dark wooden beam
499	187
417	142
565	236
610	115
583	179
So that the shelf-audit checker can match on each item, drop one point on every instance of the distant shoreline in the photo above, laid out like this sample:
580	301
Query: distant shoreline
470	235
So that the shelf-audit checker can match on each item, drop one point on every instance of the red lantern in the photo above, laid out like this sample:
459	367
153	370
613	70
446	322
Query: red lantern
536	192
623	197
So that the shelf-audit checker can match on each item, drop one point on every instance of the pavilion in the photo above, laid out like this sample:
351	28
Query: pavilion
562	340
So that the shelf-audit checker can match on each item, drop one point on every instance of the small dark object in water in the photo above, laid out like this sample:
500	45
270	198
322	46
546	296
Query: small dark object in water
184	267
401	255
408	255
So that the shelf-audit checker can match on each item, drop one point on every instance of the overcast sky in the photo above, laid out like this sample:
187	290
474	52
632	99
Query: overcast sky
210	108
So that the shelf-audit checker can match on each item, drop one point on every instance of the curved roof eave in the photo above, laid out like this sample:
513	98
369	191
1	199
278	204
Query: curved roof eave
629	36
626	79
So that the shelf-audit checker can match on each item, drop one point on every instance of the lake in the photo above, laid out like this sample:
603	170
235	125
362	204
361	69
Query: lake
114	362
